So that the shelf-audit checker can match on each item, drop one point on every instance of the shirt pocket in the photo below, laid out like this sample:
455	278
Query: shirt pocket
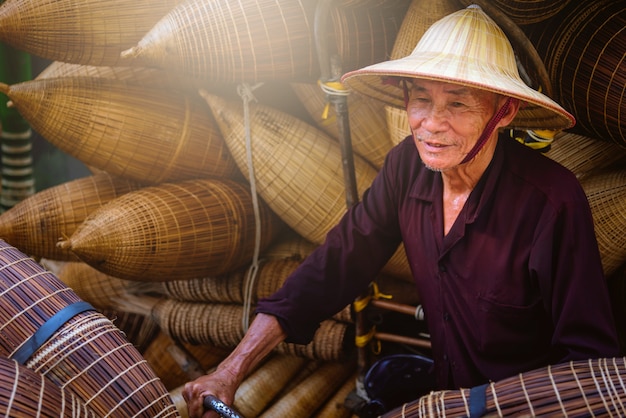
507	329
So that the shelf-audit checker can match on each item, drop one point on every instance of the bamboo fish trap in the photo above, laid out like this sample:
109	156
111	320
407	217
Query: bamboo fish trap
593	387
162	357
229	288
304	399
368	127
220	324
526	12
143	133
79	31
335	407
185	230
86	355
262	386
606	192
227	42
36	224
298	169
583	155
583	48
25	393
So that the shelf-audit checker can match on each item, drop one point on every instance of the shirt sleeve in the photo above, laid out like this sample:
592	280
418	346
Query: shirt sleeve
573	283
342	267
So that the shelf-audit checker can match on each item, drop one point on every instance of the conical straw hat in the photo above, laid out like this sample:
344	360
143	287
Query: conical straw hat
454	50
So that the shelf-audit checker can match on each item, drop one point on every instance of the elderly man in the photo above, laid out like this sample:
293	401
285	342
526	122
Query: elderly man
499	238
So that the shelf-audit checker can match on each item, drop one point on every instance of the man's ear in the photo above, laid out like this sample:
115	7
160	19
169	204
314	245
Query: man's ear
510	113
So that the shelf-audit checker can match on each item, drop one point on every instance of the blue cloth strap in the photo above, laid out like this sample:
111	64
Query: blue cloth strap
48	328
478	401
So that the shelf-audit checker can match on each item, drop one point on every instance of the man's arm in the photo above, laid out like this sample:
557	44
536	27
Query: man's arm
264	334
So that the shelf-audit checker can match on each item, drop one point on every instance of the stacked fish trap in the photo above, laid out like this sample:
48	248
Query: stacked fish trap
577	388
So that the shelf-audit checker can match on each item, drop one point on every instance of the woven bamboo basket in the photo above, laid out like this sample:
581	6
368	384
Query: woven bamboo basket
148	134
578	388
289	245
87	355
174	373
364	31
25	393
94	286
303	400
335	406
583	155
227	42
79	31
229	288
261	387
420	15
298	170
368	126
606	192
583	48
526	12
139	330
297	167
184	230
220	324
36	224
154	78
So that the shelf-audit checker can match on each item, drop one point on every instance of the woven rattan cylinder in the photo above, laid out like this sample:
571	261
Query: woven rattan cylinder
335	406
154	78
172	373
304	399
583	49
25	393
333	341
220	324
36	224
226	41
606	192
364	31
583	155
526	12
174	231
79	31
368	126
260	388
297	167
140	330
143	133
87	355
92	285
591	387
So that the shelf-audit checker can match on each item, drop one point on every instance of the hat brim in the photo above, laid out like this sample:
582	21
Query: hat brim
538	111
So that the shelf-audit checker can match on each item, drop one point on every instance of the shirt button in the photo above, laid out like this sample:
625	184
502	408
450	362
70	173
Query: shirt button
445	357
442	268
446	316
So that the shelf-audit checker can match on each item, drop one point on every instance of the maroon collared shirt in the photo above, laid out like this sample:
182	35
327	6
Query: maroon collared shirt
516	284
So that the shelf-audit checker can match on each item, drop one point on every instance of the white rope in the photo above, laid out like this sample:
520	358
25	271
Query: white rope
245	92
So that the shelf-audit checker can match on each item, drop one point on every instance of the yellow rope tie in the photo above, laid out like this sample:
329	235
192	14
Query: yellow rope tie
363	340
331	88
361	303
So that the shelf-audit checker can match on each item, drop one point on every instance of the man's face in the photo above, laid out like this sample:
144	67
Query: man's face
447	120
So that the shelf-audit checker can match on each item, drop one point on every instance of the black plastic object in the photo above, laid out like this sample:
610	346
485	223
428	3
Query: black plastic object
214	404
396	379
